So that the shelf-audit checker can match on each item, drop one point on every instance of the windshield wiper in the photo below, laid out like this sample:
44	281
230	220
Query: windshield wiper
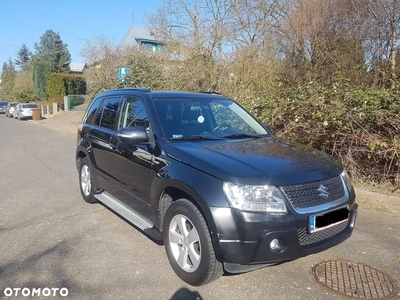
242	135
195	137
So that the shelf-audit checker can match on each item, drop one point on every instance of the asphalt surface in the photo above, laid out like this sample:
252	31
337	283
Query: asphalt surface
50	239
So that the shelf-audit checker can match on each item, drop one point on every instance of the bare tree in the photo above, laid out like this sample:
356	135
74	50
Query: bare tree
222	44
319	41
104	59
381	23
97	49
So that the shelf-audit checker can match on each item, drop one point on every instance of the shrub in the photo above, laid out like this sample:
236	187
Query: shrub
75	100
358	125
65	84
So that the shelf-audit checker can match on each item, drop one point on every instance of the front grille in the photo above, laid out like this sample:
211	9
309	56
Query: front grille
309	194
306	238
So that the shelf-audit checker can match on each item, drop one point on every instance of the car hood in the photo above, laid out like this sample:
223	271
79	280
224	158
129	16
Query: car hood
268	160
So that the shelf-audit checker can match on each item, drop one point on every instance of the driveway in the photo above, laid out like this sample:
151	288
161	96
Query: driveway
51	240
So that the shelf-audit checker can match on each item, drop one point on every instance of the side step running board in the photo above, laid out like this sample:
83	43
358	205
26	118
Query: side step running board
129	214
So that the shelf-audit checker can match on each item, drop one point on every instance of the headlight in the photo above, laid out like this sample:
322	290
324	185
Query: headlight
263	198
346	179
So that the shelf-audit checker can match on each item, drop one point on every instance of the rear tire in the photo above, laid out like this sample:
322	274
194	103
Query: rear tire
188	244
86	181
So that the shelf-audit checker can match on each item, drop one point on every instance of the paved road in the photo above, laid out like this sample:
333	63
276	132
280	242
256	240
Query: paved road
51	239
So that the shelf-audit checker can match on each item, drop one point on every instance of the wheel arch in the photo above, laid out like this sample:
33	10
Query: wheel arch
82	152
172	194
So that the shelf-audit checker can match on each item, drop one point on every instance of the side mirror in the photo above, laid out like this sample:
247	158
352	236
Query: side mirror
132	135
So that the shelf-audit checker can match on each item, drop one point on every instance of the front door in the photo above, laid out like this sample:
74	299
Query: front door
133	164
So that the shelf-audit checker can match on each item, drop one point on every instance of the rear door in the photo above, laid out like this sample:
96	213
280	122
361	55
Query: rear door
103	128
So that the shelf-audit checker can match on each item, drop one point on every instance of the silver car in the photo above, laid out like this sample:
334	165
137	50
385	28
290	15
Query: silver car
10	109
24	111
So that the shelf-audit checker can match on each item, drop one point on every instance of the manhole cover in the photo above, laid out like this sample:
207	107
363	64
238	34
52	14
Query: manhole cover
354	279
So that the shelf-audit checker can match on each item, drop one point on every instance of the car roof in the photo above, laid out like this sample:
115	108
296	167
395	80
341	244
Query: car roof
154	94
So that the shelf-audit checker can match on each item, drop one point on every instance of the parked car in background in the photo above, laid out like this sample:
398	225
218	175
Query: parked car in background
14	114
10	109
3	105
23	111
200	173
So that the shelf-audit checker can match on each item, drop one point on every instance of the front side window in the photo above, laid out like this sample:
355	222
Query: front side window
133	113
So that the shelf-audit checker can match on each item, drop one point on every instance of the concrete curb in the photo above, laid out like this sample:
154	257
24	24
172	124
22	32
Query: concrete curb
377	201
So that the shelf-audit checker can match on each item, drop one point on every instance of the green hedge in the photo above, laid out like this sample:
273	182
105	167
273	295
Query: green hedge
60	85
75	100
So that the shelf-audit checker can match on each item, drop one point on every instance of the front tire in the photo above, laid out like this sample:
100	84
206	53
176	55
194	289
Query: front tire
188	244
86	181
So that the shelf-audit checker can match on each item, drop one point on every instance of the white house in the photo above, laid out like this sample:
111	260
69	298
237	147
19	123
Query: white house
141	37
76	68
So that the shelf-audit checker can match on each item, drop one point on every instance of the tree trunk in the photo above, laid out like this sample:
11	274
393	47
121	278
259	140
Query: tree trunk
393	24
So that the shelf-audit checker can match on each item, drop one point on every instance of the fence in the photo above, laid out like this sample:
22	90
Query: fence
48	109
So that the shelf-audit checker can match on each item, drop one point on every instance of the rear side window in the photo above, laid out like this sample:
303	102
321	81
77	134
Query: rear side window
110	109
92	112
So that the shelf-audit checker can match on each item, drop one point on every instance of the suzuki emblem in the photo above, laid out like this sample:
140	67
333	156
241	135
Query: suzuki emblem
323	191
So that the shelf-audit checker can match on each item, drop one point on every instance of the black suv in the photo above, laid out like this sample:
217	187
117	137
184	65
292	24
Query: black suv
201	174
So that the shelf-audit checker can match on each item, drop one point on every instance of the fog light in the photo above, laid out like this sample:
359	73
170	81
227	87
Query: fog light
274	245
277	245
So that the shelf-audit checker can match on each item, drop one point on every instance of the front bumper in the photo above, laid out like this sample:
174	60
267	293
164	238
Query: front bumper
291	231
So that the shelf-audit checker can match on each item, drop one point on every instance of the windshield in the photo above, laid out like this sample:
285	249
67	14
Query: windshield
29	105
206	118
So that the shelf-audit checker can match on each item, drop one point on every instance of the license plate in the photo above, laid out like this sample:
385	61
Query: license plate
318	223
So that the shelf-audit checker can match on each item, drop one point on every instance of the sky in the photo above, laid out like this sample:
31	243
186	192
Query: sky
25	21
